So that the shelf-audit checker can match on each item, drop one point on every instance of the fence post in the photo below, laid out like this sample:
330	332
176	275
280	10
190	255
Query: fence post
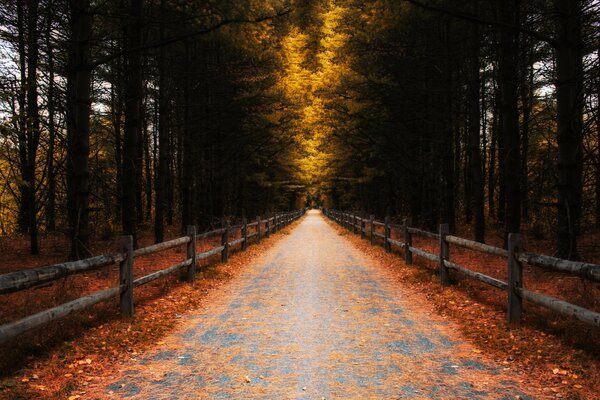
244	233
258	228
354	223
126	276
268	227
444	254
515	278
191	252
407	242
225	241
363	232
387	245
372	227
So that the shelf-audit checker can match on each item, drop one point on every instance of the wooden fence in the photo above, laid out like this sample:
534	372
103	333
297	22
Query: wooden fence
24	279
515	257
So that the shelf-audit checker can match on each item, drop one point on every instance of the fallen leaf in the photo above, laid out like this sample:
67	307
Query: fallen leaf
8	383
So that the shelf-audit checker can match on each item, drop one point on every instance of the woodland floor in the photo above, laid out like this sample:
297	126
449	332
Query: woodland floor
317	314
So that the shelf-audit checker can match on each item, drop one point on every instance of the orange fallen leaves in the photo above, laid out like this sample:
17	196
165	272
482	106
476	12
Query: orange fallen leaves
105	341
480	312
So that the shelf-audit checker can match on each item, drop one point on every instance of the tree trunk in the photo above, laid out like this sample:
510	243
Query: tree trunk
527	106
163	138
447	150
174	168
510	116
117	116
133	100
598	145
139	170
569	101
492	163
33	121
148	171
187	172
79	81
23	217
477	195
51	191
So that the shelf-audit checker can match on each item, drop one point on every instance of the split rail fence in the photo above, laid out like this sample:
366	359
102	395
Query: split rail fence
28	278
515	257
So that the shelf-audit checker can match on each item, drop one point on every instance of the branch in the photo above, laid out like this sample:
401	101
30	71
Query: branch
185	36
476	19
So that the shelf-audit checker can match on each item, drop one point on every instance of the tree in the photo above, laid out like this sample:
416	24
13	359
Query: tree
474	131
569	102
133	120
509	115
78	103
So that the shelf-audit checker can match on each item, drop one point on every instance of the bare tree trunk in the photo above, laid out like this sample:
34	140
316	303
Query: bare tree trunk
23	217
569	99
447	173
163	137
510	115
477	195
148	171
133	99
527	106
492	163
187	171
468	185
174	168
139	170
51	191
33	120
598	145
117	116
79	81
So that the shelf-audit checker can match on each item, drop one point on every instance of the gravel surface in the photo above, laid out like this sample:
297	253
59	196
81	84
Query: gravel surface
314	319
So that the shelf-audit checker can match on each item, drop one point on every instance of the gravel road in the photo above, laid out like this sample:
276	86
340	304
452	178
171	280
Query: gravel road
313	318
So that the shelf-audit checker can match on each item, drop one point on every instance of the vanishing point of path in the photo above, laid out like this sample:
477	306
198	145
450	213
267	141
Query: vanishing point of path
313	319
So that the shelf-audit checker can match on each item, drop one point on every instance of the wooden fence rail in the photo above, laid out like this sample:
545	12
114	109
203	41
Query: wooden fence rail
515	257
24	279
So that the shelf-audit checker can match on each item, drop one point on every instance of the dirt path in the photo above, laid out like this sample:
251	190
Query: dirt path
313	319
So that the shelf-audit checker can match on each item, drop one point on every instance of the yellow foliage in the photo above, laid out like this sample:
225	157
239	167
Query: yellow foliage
308	79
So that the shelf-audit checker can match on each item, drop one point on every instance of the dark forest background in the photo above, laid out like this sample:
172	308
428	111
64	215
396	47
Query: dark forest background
123	115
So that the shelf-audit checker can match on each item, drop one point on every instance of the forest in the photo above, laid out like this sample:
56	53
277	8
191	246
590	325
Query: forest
119	116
